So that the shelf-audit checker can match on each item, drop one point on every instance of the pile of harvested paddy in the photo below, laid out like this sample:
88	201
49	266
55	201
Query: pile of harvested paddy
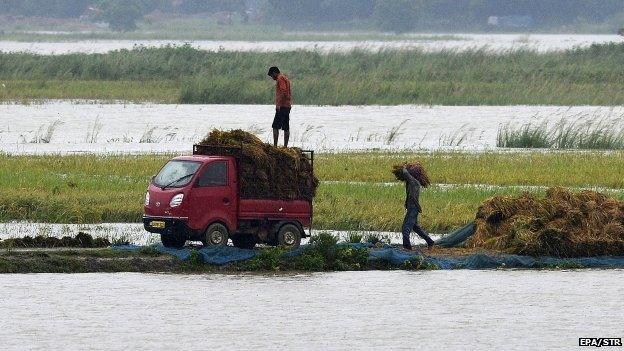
266	171
80	240
415	169
561	224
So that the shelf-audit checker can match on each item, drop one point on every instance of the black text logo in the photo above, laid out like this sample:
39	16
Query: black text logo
600	342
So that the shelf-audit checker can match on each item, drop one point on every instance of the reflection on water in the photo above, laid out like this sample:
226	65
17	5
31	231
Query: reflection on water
351	310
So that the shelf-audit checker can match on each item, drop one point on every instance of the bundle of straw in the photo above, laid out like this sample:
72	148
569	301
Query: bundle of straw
415	169
562	224
265	171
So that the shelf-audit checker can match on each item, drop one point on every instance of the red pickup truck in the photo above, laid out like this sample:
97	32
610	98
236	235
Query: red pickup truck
197	198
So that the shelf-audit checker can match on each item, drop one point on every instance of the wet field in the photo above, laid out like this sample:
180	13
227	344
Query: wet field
70	127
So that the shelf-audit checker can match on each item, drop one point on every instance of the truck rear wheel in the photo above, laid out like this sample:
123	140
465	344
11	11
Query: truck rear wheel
244	241
216	235
174	240
289	236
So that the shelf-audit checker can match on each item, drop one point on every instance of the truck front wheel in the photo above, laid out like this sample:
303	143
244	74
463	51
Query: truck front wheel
289	236
216	235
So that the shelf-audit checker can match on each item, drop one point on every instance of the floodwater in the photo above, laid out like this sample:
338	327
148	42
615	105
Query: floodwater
432	310
69	127
134	233
458	42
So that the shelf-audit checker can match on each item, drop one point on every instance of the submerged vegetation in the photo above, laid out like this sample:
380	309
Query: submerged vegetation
82	240
592	76
96	188
590	134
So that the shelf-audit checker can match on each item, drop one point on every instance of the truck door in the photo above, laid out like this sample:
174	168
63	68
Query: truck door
214	196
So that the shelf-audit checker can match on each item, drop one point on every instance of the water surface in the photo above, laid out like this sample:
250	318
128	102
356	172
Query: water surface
429	43
65	126
437	310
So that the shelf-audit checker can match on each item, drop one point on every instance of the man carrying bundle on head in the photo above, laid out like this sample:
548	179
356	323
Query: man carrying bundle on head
283	104
415	178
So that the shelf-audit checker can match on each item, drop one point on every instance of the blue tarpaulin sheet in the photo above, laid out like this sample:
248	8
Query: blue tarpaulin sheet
458	237
215	255
491	261
227	254
220	255
392	255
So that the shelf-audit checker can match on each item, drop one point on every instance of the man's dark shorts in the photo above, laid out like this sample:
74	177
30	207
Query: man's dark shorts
282	119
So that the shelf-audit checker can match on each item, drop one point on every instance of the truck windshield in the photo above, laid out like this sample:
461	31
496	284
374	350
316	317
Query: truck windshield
176	174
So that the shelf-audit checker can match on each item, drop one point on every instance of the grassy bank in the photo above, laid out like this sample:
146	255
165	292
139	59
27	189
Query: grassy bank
91	189
73	261
592	76
323	254
149	261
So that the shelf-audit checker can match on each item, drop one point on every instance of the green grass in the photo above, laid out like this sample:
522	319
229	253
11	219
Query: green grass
29	91
593	76
589	134
378	207
571	169
91	189
321	255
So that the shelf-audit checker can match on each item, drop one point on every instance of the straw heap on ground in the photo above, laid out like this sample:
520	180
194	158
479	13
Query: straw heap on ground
561	224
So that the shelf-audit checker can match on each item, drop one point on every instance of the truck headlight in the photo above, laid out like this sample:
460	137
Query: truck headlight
176	200
147	198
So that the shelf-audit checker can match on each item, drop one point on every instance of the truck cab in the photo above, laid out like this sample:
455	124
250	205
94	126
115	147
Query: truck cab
197	198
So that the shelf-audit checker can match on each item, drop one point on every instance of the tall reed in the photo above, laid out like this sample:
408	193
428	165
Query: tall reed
593	134
592	76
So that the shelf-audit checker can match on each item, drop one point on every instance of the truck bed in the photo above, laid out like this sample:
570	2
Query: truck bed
275	209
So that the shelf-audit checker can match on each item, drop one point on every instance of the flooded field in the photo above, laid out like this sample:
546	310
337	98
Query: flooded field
460	42
69	127
134	233
441	310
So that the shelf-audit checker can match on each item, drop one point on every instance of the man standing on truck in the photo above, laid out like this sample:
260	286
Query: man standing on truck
283	104
412	207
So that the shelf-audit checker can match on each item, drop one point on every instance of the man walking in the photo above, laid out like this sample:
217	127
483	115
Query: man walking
283	104
412	207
